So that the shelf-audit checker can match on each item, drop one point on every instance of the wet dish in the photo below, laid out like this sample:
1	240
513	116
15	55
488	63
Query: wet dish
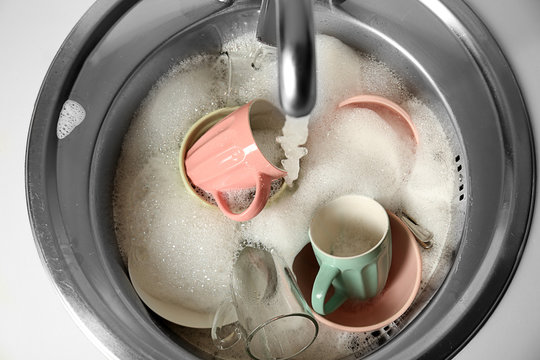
399	293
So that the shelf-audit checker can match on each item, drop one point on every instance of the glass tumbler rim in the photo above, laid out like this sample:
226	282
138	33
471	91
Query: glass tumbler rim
276	318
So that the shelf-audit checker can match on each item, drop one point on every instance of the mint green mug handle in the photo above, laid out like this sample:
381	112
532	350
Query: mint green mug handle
322	283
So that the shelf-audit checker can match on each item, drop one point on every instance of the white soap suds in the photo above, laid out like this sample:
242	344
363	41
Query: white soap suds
71	115
353	239
188	247
186	254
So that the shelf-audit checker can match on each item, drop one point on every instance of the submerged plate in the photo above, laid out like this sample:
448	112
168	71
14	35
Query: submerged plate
400	290
172	312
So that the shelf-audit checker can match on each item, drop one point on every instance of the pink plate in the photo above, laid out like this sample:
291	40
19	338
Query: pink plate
400	290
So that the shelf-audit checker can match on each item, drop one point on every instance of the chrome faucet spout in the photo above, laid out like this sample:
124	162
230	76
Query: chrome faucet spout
288	25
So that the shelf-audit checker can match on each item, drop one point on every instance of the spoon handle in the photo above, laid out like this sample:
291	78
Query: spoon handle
423	236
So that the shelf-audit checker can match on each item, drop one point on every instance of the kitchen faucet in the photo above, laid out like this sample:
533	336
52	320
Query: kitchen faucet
288	25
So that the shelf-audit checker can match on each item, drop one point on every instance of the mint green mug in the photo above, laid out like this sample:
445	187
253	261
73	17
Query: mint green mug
352	242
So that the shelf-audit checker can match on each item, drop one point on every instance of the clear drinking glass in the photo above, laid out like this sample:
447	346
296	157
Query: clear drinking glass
242	72
273	317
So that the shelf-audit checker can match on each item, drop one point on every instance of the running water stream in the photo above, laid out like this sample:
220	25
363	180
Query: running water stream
295	134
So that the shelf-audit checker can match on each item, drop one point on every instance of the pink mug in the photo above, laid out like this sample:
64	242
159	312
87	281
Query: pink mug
232	154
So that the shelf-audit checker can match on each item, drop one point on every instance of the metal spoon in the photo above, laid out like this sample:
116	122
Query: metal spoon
422	235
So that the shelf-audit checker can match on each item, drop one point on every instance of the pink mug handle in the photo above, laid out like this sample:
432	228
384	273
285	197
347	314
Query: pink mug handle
262	193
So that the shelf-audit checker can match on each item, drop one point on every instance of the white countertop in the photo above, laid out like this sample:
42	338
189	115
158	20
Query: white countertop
33	321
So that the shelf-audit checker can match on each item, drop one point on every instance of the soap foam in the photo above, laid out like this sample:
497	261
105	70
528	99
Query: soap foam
186	254
354	239
71	116
189	247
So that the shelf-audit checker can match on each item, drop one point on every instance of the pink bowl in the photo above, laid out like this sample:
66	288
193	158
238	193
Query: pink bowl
389	110
400	290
